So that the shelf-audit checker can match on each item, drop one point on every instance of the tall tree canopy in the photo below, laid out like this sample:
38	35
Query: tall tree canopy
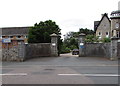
86	31
71	39
40	33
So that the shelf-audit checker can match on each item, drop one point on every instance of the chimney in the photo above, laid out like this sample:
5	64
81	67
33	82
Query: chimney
102	15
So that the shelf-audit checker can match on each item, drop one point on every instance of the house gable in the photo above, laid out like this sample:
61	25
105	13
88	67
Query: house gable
103	28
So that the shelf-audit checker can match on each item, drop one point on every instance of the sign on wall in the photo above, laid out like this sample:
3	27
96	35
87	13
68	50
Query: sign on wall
81	45
6	40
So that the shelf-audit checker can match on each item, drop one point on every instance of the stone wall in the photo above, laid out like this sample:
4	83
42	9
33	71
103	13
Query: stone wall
23	52
37	50
13	54
118	51
98	49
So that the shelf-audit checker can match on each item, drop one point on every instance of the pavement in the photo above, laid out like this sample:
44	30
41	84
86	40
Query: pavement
66	69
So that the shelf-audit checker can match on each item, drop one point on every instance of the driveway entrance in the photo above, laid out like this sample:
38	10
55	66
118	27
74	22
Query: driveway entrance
68	55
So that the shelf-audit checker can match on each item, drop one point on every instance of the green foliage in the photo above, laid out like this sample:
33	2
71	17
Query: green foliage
71	39
91	38
73	47
71	43
106	40
41	32
65	49
86	31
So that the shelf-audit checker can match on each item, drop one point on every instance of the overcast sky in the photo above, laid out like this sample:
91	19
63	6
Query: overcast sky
70	15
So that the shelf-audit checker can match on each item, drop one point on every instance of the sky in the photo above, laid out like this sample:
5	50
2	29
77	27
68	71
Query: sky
70	15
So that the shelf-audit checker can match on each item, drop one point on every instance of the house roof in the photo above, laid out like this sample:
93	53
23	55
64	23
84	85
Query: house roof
15	30
115	12
96	25
104	15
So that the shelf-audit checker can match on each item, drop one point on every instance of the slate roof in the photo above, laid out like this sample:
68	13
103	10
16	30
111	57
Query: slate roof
115	12
96	25
15	30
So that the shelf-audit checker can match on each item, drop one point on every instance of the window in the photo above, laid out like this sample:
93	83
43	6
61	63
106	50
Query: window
26	36
3	36
18	36
99	34
11	36
112	32
118	34
107	34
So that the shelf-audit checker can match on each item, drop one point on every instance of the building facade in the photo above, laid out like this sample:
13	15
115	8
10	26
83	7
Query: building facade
12	36
115	23
102	28
108	27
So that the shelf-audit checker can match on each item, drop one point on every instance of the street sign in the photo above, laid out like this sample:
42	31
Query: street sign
81	46
6	40
53	44
81	43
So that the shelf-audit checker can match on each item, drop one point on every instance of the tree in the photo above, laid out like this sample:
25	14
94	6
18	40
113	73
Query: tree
71	39
40	33
86	31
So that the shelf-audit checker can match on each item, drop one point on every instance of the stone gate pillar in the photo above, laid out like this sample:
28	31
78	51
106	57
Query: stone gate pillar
114	49
54	44
81	44
0	45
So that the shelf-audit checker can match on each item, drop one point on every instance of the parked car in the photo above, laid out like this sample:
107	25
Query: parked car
75	52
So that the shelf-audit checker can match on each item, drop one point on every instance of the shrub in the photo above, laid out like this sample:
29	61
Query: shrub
106	40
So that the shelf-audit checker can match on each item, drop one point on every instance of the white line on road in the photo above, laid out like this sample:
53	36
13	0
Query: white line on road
14	74
107	75
59	66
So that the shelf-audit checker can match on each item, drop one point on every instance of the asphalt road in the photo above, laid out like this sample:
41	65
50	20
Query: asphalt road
66	69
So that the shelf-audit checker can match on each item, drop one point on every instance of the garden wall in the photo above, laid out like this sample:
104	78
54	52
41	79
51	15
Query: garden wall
98	49
118	51
37	50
